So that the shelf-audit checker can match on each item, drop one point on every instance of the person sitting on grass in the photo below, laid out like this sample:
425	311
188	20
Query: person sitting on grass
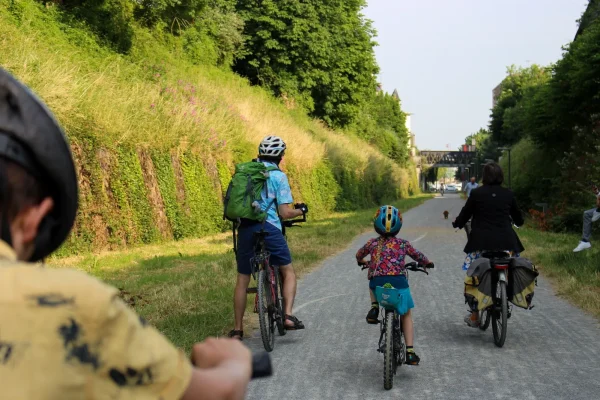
589	216
387	265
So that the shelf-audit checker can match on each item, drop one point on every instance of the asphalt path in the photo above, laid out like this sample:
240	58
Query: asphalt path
551	352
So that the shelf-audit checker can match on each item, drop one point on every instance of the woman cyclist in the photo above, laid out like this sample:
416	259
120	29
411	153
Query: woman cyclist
492	210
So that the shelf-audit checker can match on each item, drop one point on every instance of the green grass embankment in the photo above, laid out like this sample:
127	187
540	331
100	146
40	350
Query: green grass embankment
155	137
575	276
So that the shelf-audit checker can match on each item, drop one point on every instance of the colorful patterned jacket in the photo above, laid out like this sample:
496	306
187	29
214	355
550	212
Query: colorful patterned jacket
388	254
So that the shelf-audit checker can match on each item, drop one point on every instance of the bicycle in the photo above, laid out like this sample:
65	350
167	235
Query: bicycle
498	312
391	339
269	303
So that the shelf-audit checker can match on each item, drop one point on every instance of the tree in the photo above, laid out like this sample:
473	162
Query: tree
320	53
507	124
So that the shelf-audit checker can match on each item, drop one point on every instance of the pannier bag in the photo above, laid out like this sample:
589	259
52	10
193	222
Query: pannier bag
522	276
478	285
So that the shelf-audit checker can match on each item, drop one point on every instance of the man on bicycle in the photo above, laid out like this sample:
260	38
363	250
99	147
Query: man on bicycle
278	203
64	334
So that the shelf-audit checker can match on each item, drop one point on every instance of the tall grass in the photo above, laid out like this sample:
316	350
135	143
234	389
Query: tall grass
141	101
576	276
193	122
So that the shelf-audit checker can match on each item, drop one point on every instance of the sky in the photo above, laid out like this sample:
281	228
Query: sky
446	56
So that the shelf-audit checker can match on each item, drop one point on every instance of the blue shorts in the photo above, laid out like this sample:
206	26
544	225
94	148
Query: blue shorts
275	244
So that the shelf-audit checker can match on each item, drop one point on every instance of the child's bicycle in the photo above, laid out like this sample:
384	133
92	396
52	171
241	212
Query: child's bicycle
391	339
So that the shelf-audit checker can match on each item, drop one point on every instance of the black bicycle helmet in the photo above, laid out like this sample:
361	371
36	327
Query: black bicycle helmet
32	138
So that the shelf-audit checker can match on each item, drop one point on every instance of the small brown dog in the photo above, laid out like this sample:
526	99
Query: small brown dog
446	214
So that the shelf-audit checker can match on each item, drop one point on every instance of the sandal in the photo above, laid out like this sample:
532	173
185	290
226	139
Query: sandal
234	334
297	323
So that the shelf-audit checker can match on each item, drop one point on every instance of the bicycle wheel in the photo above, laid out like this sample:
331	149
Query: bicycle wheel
388	355
499	316
265	311
279	304
400	345
484	319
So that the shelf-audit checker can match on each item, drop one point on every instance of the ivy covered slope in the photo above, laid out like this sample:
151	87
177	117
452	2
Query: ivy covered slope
155	133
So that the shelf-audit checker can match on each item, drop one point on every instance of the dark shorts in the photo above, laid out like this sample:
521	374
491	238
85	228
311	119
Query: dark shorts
275	243
397	281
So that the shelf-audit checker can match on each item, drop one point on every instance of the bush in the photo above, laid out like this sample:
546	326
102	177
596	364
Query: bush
111	19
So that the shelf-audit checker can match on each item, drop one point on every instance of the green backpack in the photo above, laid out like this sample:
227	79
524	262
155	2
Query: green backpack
244	192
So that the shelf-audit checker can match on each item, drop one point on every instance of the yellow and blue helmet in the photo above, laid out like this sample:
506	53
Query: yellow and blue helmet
387	221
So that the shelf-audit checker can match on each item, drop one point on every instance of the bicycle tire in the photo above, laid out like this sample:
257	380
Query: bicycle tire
264	311
401	346
500	315
388	355
484	319
279	304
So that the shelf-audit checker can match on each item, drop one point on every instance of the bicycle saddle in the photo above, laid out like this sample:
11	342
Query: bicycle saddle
497	257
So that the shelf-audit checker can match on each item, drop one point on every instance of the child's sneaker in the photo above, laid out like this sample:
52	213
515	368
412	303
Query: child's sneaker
372	315
412	358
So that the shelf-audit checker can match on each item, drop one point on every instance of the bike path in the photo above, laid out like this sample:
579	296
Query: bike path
551	352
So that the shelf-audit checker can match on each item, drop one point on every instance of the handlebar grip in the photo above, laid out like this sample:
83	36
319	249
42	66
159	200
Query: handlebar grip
261	365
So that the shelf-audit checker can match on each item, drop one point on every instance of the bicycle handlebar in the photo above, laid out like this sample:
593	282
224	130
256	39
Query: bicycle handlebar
413	266
293	222
261	365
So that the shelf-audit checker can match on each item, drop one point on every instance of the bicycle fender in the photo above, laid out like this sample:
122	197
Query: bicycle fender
502	276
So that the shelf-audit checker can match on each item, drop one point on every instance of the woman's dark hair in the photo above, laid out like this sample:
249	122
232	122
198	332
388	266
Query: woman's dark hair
492	174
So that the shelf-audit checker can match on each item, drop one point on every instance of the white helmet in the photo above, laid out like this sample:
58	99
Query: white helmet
272	146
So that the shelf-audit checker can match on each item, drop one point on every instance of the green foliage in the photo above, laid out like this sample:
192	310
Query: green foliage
383	124
111	19
171	13
203	207
507	119
556	117
168	190
320	53
135	194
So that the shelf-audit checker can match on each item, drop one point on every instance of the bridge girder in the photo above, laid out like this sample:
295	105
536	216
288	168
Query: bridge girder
449	159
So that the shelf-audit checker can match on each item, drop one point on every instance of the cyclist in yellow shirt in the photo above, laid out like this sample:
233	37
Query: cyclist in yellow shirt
63	334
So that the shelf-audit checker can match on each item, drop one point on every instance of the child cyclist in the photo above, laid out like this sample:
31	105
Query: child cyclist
387	265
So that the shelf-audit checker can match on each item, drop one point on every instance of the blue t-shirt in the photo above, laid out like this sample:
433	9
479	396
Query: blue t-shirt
278	188
470	187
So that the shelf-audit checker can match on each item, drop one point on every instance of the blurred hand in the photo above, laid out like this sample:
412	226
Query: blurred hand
214	352
302	207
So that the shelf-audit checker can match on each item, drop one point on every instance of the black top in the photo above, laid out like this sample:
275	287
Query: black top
491	208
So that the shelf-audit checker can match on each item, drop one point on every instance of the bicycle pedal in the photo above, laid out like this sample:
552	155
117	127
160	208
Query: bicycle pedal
252	290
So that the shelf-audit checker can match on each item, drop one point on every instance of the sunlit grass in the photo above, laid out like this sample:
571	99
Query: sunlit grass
575	276
162	103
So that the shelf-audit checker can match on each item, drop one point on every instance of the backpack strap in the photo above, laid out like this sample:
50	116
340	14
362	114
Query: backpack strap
274	201
234	226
